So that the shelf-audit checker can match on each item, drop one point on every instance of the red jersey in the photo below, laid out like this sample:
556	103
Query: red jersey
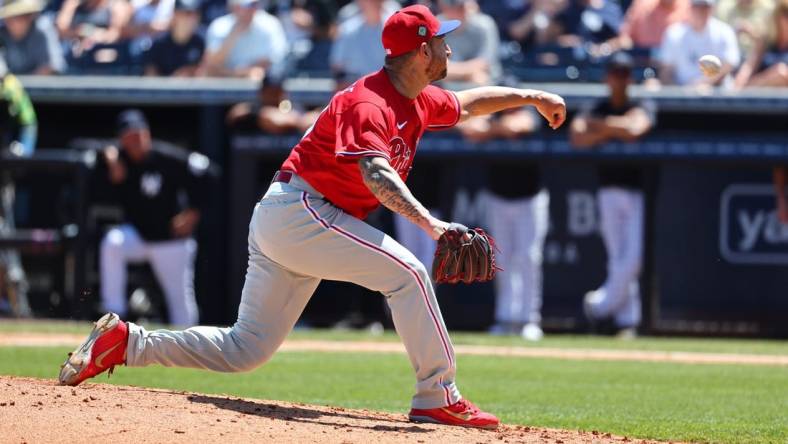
369	118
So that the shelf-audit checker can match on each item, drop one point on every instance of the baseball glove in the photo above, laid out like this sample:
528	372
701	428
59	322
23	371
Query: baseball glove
464	255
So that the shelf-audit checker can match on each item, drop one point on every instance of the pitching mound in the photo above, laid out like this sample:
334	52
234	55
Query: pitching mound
39	411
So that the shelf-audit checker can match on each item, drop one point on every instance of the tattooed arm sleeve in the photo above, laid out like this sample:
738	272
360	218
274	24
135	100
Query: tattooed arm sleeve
384	182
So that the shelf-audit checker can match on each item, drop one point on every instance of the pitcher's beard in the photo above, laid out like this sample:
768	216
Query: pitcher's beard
441	75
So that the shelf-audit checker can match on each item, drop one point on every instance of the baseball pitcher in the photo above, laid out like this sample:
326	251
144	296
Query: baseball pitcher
309	226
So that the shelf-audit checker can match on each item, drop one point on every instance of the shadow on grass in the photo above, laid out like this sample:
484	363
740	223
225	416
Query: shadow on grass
308	415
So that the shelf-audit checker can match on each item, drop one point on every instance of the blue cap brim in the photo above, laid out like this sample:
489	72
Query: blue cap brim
447	27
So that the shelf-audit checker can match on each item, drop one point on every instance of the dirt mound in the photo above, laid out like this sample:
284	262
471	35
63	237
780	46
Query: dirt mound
39	411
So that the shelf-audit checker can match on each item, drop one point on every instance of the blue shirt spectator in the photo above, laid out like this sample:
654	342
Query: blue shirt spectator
358	49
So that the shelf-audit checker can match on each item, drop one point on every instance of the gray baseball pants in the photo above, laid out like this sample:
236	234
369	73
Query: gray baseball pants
297	238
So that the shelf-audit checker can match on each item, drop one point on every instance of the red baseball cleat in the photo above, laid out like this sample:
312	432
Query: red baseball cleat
102	350
461	413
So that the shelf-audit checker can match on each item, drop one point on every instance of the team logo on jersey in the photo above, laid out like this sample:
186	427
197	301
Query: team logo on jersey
150	184
400	155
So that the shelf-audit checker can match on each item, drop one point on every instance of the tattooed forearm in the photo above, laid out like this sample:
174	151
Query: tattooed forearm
391	191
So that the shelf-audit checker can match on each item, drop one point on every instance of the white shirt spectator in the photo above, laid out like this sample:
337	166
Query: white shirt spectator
264	39
682	46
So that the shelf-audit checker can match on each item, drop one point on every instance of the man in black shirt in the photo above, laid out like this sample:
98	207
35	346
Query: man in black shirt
178	52
620	197
159	188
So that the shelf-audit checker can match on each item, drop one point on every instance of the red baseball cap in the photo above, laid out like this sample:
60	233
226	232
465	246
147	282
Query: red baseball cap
410	27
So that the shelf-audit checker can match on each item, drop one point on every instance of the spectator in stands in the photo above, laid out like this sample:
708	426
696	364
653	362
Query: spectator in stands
686	42
149	18
767	63
526	22
86	23
273	113
357	49
747	17
245	43
645	24
474	45
620	196
354	8
159	188
30	41
178	53
307	19
587	22
310	26
18	131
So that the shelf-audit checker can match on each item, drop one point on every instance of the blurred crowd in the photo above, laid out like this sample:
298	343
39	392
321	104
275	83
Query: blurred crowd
500	39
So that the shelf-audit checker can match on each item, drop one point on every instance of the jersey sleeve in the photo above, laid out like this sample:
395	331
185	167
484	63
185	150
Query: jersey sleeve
443	108
362	130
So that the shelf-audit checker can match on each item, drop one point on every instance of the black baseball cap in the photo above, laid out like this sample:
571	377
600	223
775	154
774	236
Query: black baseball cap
131	119
620	61
187	5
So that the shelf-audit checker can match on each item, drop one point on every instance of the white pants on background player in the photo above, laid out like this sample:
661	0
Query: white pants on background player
297	238
621	219
416	240
521	226
172	262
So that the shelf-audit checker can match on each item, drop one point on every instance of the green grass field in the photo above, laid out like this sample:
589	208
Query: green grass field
666	401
